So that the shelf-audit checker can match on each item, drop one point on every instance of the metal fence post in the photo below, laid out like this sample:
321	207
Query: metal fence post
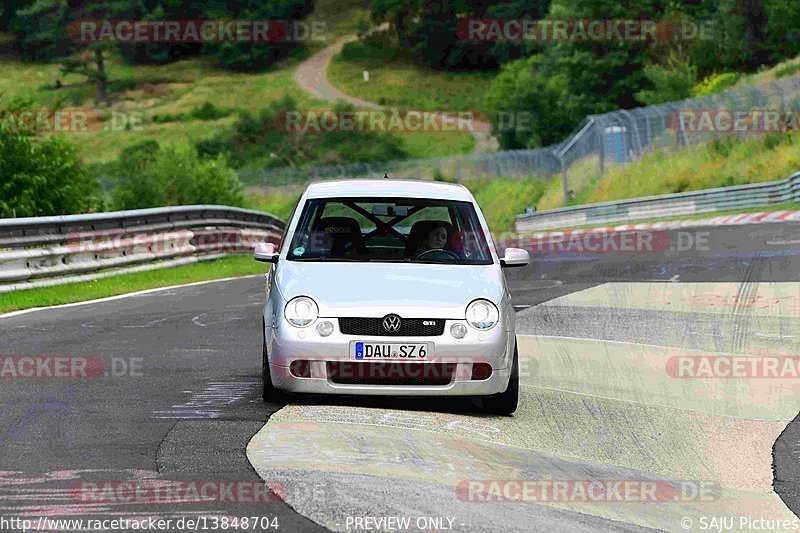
601	149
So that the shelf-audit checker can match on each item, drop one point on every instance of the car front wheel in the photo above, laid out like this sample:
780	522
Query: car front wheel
269	393
506	402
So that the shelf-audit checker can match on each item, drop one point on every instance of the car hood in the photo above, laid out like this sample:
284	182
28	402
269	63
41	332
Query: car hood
377	289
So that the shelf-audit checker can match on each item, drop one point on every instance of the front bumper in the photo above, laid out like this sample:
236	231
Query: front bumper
287	344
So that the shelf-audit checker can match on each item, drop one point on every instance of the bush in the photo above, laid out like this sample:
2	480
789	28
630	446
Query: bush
788	70
163	118
207	111
670	84
154	176
682	184
773	140
716	83
722	146
43	178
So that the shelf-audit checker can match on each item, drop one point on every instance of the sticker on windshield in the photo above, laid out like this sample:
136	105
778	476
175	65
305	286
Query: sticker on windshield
300	250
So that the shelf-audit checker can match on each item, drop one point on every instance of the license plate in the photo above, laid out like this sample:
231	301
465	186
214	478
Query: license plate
383	351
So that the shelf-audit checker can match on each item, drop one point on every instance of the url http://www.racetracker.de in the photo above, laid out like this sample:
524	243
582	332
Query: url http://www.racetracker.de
193	524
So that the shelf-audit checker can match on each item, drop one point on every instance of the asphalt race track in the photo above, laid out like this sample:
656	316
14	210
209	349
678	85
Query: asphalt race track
602	338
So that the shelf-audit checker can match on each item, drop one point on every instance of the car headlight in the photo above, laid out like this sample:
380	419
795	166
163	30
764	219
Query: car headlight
301	311
482	314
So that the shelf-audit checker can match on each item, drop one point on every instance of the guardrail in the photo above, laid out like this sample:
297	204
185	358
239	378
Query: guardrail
41	251
687	203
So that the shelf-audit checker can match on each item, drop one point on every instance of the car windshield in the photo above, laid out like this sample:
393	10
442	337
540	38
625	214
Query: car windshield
409	230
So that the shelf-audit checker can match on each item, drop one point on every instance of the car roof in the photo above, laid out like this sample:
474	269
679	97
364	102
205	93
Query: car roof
389	188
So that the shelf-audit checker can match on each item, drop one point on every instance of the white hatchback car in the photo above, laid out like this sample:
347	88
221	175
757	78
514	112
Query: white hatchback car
390	287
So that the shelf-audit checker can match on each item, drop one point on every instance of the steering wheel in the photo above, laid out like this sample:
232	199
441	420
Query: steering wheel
440	252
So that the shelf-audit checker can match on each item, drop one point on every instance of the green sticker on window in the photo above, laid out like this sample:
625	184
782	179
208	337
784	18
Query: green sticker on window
299	250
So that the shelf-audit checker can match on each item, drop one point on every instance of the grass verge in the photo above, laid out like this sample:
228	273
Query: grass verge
124	283
719	163
398	82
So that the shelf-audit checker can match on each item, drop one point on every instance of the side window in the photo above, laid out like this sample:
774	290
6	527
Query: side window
471	239
302	232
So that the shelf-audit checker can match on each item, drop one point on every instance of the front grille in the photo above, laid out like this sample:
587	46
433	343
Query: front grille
357	373
410	327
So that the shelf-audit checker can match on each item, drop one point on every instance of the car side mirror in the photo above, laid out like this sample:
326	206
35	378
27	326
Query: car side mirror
515	257
265	252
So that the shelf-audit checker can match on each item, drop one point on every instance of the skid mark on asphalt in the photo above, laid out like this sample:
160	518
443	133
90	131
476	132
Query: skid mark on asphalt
763	299
698	331
645	374
71	493
201	321
209	403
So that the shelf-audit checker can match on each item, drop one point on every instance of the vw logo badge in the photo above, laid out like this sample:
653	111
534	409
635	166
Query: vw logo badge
391	323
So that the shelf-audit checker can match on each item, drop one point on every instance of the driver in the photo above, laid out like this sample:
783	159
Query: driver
436	239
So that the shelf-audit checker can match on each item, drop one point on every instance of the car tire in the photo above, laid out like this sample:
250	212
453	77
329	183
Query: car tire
269	393
506	402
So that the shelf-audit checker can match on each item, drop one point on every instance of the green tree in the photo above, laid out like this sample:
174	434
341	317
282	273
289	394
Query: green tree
48	30
248	56
162	53
749	34
429	30
783	30
43	178
569	80
533	102
41	29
